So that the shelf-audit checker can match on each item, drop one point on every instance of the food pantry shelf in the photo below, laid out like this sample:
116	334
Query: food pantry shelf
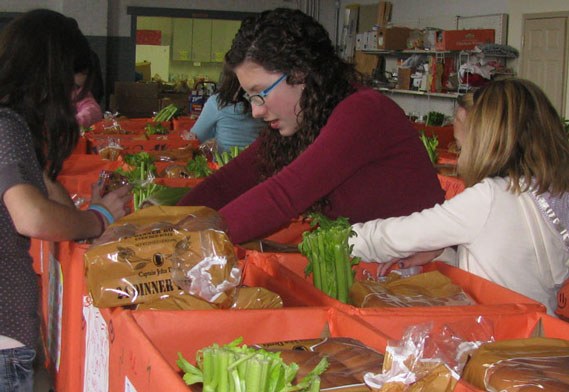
415	92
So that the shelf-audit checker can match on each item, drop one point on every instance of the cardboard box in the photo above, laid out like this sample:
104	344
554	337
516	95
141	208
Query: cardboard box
383	13
403	78
144	68
137	99
463	39
393	38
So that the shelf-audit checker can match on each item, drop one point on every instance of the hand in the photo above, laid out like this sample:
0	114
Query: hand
117	201
420	258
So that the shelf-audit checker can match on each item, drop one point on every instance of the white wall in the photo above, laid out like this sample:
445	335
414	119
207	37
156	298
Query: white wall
519	8
92	14
442	14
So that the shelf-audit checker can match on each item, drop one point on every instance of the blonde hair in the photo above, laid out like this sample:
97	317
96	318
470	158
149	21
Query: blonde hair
514	131
466	100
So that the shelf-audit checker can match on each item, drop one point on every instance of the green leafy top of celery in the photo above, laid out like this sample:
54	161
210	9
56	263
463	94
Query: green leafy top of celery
199	167
156	129
237	367
431	144
141	175
435	119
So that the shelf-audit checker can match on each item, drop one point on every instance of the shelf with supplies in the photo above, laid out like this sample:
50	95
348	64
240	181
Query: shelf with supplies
408	80
406	51
449	95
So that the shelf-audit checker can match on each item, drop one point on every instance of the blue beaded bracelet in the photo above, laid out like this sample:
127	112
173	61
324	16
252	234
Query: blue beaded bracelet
101	209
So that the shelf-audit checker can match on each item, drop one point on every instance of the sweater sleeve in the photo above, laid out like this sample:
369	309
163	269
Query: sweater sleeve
204	128
88	111
455	222
230	181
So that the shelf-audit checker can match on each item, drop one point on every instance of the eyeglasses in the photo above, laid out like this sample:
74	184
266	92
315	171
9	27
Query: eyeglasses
259	99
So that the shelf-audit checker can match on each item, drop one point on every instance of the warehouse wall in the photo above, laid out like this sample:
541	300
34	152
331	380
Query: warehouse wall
108	26
442	14
518	8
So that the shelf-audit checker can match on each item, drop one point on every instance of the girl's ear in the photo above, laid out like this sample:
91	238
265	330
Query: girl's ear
460	113
297	77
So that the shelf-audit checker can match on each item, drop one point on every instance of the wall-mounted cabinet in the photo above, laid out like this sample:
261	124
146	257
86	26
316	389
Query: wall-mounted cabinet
202	40
222	34
182	33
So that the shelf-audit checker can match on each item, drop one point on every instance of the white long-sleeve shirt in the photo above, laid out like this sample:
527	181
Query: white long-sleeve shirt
501	236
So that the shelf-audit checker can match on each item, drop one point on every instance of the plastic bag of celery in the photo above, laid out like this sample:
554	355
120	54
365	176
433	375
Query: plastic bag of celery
328	254
244	369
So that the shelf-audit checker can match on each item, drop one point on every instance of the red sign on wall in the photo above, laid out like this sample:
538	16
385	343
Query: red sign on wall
148	37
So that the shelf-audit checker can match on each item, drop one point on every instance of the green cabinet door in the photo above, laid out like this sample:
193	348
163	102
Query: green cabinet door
201	40
222	34
182	39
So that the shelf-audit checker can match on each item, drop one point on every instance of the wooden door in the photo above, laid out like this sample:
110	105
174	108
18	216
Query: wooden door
544	56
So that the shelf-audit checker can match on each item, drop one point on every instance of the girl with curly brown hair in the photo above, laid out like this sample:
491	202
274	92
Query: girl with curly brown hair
329	145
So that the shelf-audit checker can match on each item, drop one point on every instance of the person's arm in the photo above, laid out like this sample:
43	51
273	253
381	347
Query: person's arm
204	128
57	192
226	184
457	221
36	216
88	111
347	143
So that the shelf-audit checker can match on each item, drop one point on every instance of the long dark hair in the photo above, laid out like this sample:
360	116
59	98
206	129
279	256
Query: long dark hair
39	53
229	91
291	42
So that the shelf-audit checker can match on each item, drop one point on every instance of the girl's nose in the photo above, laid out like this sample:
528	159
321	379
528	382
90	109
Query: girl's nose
258	111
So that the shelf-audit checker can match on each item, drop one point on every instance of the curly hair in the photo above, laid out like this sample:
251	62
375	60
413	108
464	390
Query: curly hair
39	53
293	43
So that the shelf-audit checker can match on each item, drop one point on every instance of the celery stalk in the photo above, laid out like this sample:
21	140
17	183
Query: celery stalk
342	283
222	375
253	375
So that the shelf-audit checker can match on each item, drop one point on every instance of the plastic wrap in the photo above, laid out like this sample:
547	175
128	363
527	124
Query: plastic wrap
348	358
208	149
244	298
406	290
429	359
109	148
163	251
532	364
111	124
111	181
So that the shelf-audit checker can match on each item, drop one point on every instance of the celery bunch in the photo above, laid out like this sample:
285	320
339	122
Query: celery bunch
224	158
166	113
155	129
198	167
431	144
329	256
234	368
141	176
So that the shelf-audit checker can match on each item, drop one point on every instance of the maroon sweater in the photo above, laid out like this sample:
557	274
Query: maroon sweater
368	161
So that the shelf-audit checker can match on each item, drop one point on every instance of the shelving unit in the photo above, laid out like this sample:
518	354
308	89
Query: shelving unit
420	93
439	56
